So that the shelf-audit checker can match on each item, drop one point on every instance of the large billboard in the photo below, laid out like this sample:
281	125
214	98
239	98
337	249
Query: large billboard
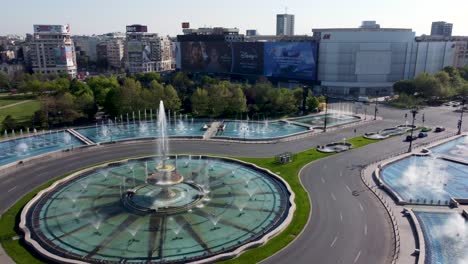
294	60
248	58
52	28
64	56
290	60
213	57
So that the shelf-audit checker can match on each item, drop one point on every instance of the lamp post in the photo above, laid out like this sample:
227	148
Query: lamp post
376	110
460	122
414	112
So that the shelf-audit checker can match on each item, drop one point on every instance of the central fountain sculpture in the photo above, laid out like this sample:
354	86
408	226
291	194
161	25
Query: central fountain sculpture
166	186
166	174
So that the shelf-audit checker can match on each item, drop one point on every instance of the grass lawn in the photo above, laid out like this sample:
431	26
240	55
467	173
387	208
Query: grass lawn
16	250
22	113
12	99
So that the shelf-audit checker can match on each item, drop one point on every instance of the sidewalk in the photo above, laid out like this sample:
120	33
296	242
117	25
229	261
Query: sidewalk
15	104
4	258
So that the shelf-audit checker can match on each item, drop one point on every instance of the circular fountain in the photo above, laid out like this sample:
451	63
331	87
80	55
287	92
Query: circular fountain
159	209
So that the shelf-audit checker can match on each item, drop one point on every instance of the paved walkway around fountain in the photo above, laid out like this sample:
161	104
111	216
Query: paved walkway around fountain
212	130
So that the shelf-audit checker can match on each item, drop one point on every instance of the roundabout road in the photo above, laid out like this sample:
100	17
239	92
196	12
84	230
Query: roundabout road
342	229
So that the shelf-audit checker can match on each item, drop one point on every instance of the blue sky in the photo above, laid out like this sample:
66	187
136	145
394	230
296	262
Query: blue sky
165	17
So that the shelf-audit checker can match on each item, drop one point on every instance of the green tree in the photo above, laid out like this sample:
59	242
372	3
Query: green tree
9	123
200	102
182	82
463	90
464	72
171	99
236	102
299	96
404	86
146	78
4	81
101	85
312	103
79	88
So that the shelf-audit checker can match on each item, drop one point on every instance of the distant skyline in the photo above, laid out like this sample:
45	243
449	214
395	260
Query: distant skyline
87	17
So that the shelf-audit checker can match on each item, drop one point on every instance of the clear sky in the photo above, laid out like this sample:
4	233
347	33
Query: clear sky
165	16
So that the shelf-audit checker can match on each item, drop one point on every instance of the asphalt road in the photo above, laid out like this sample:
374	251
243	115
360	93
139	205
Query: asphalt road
342	229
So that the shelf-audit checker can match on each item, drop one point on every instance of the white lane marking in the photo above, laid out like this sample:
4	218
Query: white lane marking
323	180
341	173
341	217
365	229
333	242
333	196
12	189
357	257
349	189
360	206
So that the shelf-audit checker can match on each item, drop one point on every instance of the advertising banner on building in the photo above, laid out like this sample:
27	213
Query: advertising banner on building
293	60
146	53
247	58
200	56
63	56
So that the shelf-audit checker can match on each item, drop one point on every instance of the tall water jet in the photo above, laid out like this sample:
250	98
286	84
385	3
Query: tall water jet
165	175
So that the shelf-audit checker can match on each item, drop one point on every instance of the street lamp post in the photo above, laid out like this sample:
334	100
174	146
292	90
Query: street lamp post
460	122
376	110
414	112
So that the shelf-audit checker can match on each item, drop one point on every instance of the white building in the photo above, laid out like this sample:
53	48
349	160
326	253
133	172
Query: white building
364	60
52	50
284	25
147	52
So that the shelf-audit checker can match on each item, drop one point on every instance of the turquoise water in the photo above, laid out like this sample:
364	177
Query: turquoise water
259	130
446	237
23	148
457	148
86	219
332	120
104	133
427	180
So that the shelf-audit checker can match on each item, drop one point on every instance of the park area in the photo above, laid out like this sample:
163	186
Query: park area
20	107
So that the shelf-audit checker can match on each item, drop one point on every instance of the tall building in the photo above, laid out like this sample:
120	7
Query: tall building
441	28
146	52
363	61
52	50
284	25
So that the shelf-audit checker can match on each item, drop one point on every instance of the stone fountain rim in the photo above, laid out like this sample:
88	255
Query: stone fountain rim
222	256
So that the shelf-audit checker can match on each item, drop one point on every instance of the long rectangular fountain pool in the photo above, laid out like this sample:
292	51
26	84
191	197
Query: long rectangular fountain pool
260	130
445	236
457	149
332	120
18	149
427	180
122	131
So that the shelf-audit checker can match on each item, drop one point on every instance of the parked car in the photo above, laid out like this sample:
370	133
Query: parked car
439	129
410	138
422	134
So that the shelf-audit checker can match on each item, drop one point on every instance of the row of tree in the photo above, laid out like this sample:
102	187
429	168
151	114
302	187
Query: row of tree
444	84
67	102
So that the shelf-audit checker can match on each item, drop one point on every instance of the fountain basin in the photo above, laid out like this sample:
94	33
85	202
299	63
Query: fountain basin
333	119
445	236
108	213
335	147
